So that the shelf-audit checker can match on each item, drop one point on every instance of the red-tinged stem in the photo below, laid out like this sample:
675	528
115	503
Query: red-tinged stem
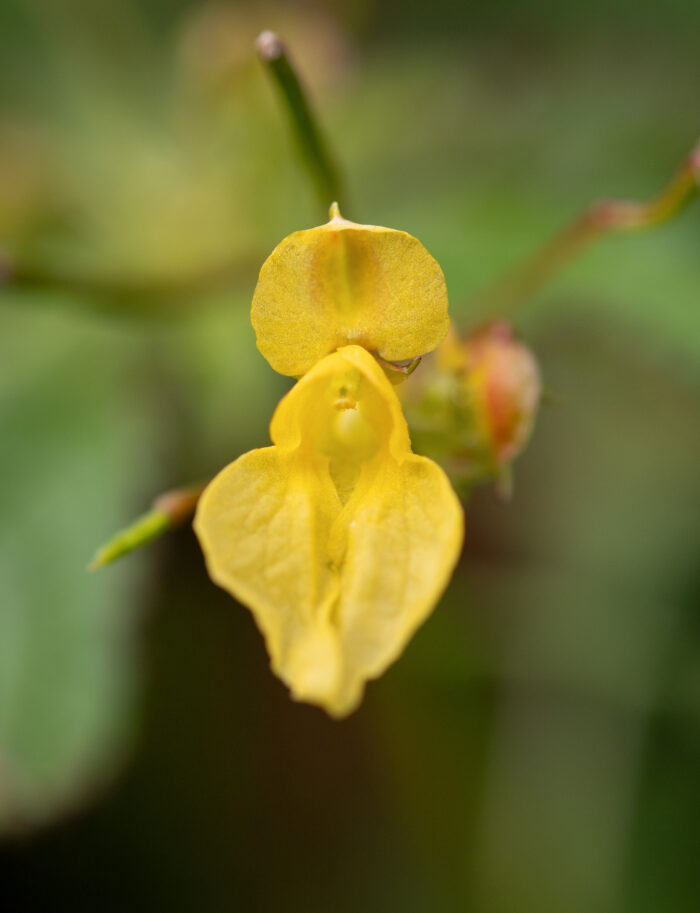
602	217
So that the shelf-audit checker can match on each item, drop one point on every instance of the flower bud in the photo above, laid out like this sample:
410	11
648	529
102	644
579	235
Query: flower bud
475	407
503	379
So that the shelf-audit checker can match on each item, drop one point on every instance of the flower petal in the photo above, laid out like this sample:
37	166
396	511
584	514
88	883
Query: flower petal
402	539
338	575
263	524
345	283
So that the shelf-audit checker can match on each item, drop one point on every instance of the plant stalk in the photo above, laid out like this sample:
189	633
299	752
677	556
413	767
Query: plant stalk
169	511
313	147
601	218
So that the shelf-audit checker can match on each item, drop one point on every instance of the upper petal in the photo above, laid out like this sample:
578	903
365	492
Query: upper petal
345	283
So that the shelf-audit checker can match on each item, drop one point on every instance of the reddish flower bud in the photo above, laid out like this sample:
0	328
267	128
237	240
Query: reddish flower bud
503	380
473	408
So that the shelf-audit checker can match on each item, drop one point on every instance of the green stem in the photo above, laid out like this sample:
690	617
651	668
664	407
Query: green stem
601	218
169	511
312	145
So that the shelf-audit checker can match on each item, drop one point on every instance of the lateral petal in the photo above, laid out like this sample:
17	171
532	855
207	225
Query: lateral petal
404	536
338	538
263	524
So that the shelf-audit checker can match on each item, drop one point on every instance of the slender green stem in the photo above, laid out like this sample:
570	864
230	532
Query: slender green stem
602	217
312	145
169	511
147	528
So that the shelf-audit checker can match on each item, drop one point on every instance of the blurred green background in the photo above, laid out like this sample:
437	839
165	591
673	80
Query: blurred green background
537	748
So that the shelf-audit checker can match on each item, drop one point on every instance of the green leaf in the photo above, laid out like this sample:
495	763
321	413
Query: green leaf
72	453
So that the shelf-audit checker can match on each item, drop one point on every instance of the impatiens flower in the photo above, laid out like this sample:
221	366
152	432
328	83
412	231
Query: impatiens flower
343	283
338	538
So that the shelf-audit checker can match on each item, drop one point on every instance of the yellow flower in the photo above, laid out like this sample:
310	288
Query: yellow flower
338	538
343	283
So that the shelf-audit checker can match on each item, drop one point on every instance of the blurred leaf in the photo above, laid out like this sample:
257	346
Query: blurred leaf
74	449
